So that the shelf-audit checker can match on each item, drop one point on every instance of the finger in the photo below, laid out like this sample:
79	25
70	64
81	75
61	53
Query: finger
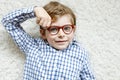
38	20
41	22
48	23
45	24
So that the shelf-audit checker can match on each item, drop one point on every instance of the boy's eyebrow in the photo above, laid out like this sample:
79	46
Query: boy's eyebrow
62	25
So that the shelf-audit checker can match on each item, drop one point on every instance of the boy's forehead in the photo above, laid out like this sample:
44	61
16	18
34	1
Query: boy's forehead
62	20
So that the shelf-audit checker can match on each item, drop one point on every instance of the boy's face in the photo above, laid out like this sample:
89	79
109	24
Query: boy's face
61	38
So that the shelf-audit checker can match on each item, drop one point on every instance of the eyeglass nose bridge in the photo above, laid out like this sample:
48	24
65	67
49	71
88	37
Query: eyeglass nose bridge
60	27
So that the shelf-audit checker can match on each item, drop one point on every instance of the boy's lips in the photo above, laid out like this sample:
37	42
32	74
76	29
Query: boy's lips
61	41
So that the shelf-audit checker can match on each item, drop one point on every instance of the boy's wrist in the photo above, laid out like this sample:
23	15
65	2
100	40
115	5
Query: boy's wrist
36	9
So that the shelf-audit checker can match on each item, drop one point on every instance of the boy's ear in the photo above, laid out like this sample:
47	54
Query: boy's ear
74	28
42	32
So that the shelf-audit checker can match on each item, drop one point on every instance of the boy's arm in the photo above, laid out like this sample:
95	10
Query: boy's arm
12	21
86	73
12	24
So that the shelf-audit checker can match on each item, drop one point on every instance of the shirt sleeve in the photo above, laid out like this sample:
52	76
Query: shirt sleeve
86	73
12	21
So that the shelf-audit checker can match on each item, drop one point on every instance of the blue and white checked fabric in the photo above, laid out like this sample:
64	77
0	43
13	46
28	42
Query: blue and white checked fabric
43	62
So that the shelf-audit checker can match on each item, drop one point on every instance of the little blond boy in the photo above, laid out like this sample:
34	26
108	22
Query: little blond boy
56	55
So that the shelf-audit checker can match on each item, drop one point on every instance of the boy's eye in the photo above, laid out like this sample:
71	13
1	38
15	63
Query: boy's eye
53	30
67	28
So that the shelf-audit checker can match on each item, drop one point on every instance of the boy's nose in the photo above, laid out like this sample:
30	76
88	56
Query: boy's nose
61	33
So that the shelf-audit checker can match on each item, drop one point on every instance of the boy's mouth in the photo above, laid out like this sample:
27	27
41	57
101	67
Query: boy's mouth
61	41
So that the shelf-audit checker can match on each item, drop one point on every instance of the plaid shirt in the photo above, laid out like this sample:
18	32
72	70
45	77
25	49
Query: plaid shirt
43	62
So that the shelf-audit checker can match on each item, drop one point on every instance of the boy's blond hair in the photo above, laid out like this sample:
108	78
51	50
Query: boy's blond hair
56	10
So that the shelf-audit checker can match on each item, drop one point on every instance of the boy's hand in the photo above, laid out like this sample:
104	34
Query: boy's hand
43	18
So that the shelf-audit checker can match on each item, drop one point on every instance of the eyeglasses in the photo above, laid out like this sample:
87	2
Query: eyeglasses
67	29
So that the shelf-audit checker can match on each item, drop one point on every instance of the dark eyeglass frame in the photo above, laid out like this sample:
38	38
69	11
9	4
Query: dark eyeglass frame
61	27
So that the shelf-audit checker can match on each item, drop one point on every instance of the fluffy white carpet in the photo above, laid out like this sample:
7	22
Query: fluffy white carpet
98	29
